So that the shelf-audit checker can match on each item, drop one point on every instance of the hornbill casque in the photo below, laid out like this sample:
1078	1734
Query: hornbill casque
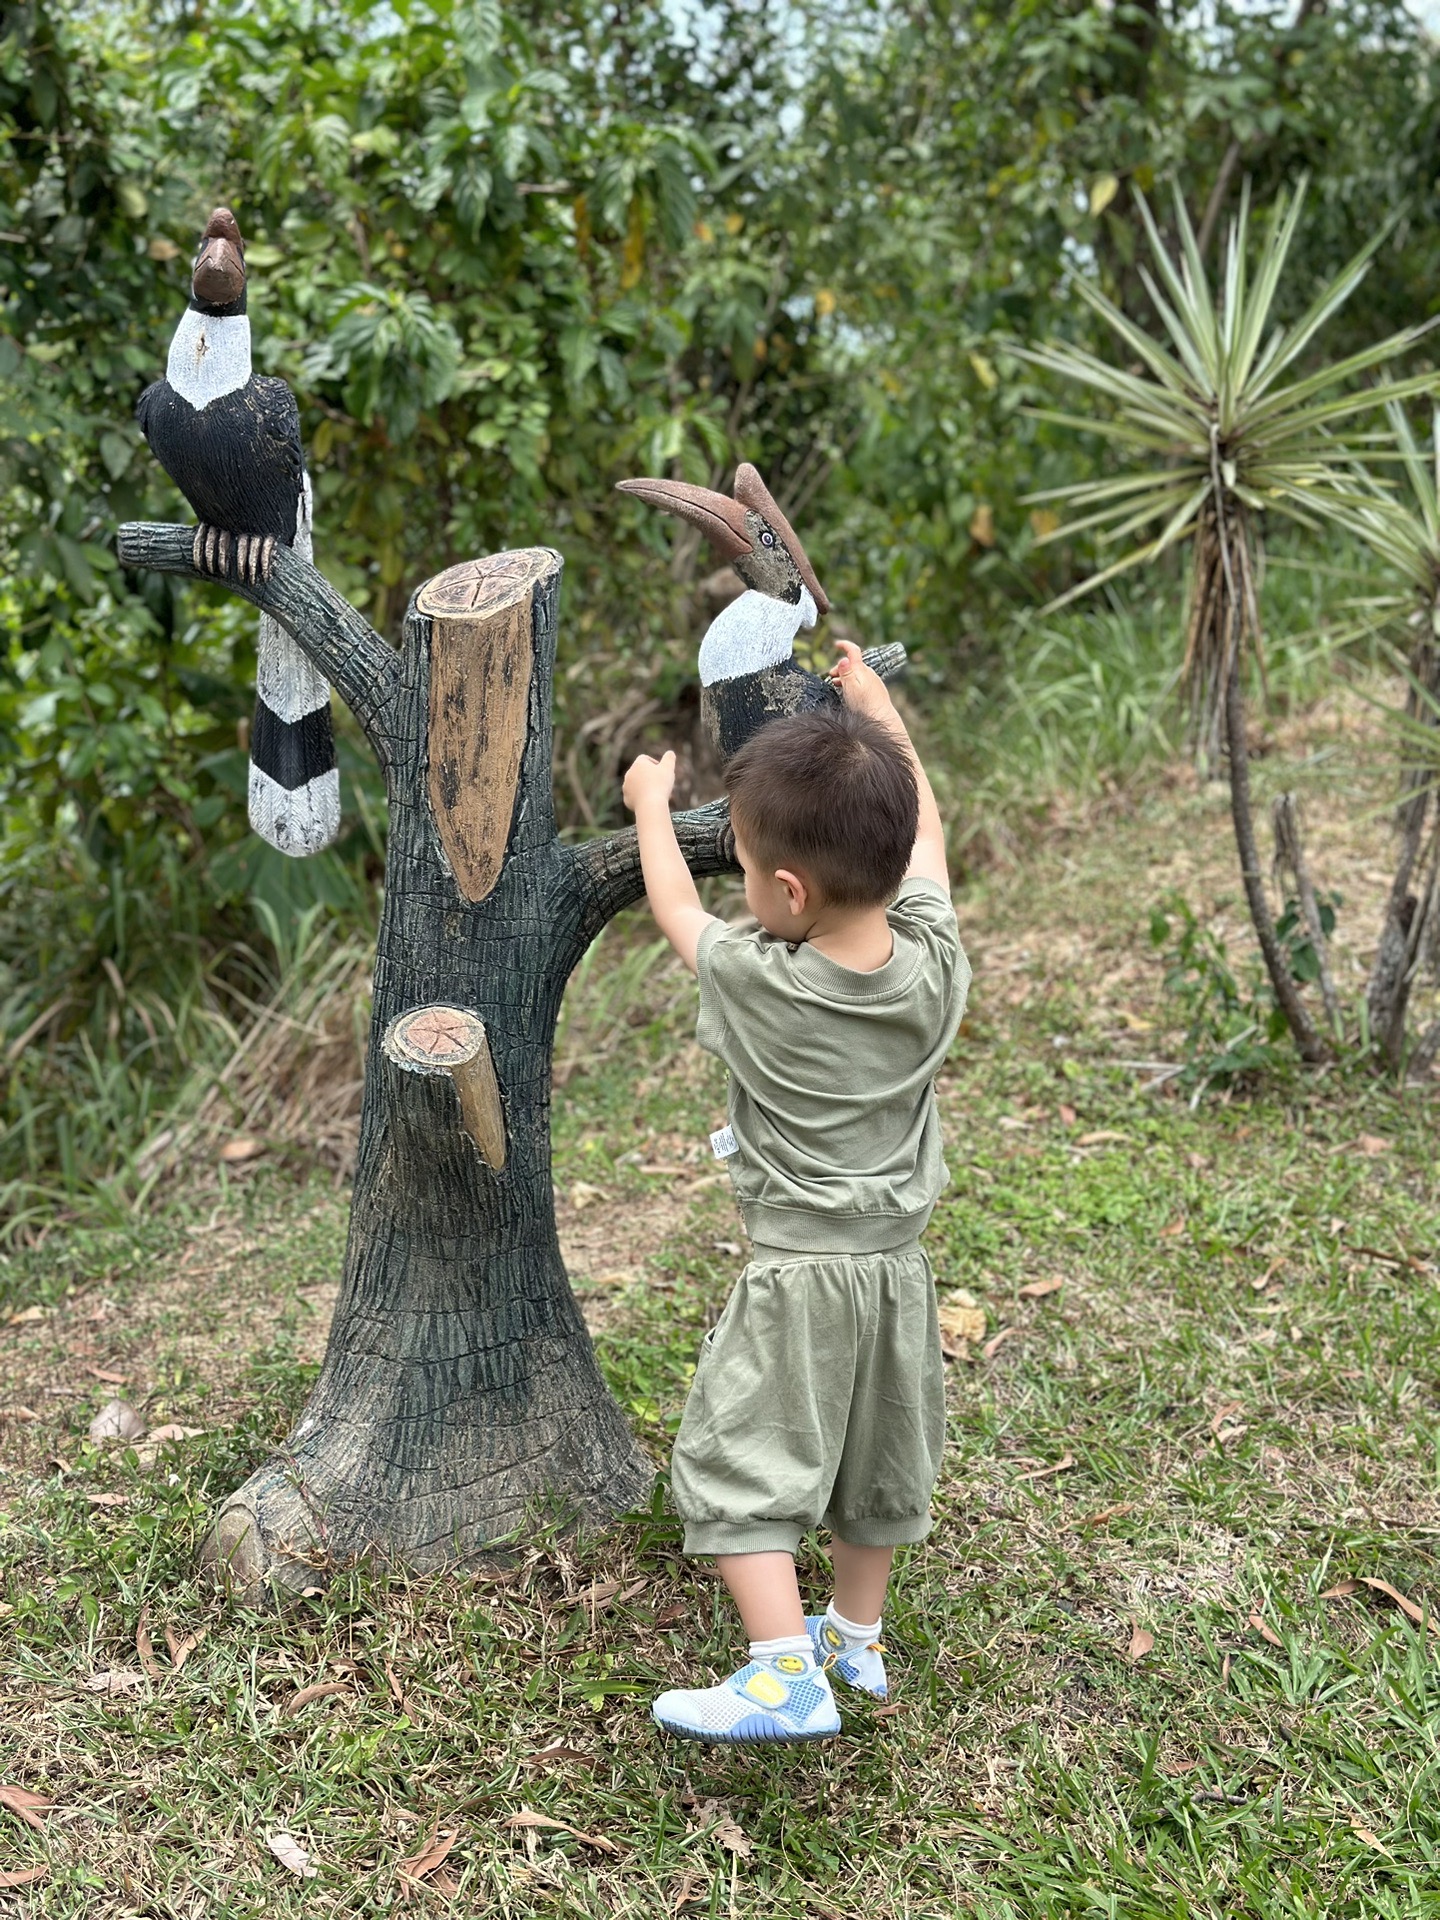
748	674
230	440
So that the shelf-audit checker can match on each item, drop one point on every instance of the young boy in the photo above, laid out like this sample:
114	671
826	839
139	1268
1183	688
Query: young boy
819	1397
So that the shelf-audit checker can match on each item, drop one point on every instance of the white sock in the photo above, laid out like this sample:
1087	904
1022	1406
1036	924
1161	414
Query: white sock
796	1643
856	1635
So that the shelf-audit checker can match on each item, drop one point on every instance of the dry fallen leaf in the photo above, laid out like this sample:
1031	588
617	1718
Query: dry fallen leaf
27	1316
1341	1591
25	1805
114	1681
715	1820
620	1277
288	1851
106	1500
144	1650
441	1840
1371	1144
320	1691
1370	1839
243	1148
1067	1116
181	1648
1099	1139
583	1195
116	1420
527	1817
172	1432
1062	1465
1141	1641
1037	1289
101	1373
962	1316
1174	1230
992	1346
557	1755
1265	1630
23	1876
1108	1513
1225	1671
1407	1607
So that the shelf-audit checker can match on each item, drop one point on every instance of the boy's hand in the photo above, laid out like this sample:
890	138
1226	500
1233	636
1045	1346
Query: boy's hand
860	686
648	779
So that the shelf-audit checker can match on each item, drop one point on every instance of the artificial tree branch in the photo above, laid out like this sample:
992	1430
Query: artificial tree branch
608	870
1312	1047
340	641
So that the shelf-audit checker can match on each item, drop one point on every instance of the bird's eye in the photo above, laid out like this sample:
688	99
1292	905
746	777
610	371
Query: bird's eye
767	539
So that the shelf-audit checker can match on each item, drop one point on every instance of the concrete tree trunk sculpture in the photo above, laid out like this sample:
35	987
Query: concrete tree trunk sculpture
459	1387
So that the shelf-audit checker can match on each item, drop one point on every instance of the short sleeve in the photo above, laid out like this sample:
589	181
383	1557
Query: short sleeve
924	910
716	962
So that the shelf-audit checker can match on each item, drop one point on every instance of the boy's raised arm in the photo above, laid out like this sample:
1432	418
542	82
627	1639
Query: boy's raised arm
668	885
862	687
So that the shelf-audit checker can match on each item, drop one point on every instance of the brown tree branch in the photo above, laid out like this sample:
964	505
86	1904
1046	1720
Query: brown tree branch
341	642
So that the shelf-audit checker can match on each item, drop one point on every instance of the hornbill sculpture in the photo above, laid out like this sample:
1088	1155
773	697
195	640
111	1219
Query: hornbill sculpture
747	672
230	440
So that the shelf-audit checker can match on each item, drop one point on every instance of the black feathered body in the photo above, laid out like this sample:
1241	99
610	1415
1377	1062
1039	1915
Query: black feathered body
734	710
238	461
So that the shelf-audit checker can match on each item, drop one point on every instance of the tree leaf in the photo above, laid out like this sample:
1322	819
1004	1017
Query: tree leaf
1037	1289
116	1420
527	1817
25	1805
321	1690
1265	1630
1406	1606
291	1855
115	1681
23	1876
144	1649
434	1851
1141	1641
1103	190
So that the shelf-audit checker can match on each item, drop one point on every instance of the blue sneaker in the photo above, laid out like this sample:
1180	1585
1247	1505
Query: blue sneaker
860	1667
769	1701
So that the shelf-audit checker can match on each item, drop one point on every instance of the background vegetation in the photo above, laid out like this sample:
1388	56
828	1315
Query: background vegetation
508	255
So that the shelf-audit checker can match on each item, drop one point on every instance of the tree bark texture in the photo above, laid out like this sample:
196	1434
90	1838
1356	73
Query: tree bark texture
459	1389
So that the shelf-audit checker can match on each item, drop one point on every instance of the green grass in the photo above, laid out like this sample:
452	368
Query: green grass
1228	1408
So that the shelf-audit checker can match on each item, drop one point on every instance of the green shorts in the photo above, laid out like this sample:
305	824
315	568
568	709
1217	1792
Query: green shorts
819	1399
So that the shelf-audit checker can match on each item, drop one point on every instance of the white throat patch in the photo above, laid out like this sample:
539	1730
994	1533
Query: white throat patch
752	633
209	356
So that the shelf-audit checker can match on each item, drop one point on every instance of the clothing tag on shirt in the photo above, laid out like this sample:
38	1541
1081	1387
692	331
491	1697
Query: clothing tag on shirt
724	1143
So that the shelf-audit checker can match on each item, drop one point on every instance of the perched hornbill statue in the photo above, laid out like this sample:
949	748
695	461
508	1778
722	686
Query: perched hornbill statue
230	440
747	673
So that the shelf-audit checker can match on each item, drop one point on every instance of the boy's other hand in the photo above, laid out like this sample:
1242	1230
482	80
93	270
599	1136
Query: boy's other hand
648	779
860	686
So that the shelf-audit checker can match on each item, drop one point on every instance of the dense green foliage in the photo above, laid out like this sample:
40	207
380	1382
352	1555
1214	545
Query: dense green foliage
507	255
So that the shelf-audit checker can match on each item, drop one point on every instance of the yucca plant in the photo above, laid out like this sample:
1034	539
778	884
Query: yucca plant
1404	530
1224	429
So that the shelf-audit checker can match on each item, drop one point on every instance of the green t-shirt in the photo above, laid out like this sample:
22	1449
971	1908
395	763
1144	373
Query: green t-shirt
832	1098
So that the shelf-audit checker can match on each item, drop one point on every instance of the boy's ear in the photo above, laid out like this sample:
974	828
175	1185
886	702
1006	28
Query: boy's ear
796	891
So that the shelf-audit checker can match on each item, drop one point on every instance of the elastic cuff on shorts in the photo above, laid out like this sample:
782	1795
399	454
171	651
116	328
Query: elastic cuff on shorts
873	1532
741	1536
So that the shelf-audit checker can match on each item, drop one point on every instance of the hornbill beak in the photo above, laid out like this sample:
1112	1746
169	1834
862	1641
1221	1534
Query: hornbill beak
721	520
725	522
219	276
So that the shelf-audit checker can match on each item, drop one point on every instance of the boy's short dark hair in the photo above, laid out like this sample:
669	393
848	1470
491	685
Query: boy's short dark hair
833	793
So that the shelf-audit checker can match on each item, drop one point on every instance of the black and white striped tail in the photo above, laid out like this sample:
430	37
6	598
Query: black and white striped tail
294	782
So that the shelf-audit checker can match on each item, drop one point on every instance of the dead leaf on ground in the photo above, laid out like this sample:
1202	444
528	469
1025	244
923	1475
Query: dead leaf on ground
583	1195
1406	1606
321	1690
1067	1116
1225	1671
1037	1289
527	1817
114	1681
1222	1414
242	1148
23	1876
1372	1144
171	1432
1107	1513
1100	1137
1141	1641
889	1710
25	1805
1062	1465
559	1755
1263	1627
181	1646
102	1373
1174	1230
1371	1839
441	1840
620	1277
27	1316
992	1346
116	1420
1341	1591
690	1890
106	1500
715	1820
289	1852
144	1648
962	1317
